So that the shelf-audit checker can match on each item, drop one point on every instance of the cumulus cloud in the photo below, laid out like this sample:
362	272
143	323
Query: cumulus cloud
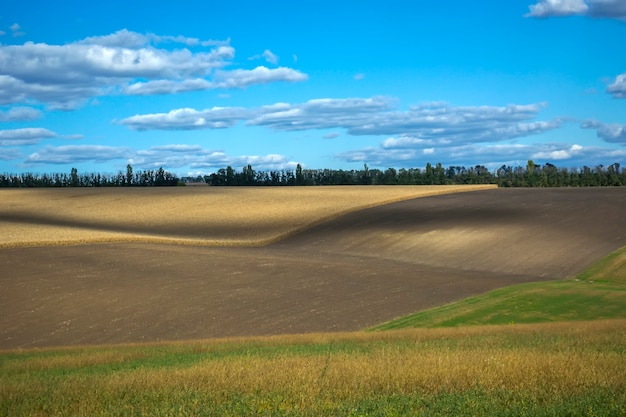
493	155
429	122
547	8
127	39
615	9
64	76
187	119
618	87
267	55
270	57
556	153
171	157
167	86
241	78
426	124
76	154
614	133
25	136
222	79
20	114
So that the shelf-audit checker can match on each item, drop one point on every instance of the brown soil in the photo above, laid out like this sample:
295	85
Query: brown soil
345	274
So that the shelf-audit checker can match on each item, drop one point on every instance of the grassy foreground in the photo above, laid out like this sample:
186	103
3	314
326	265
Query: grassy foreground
566	368
556	369
597	293
571	368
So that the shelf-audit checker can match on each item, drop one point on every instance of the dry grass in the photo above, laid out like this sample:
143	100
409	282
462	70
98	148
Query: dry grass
313	374
235	216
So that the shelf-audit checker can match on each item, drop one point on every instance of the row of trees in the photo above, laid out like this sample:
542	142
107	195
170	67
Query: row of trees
532	175
145	178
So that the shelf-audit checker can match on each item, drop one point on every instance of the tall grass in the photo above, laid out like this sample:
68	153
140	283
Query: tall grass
553	369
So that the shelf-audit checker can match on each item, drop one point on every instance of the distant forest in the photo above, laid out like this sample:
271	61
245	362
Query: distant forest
532	175
74	179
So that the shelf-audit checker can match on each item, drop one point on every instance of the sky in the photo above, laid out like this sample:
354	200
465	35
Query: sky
197	86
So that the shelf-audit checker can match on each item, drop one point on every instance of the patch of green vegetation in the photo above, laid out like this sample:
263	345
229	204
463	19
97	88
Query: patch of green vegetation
597	293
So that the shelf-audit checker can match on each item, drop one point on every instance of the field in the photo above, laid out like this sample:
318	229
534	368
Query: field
335	272
354	270
223	216
557	369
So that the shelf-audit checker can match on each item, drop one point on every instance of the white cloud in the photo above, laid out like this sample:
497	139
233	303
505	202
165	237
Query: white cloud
615	9
267	55
558	153
25	136
618	87
327	113
331	135
436	122
614	133
20	114
171	157
270	57
430	123
241	78
547	8
187	119
359	76
492	156
15	27
65	76
76	154
127	39
404	142
167	86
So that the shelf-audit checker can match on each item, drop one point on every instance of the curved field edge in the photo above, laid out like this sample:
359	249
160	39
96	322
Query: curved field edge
599	292
207	216
555	369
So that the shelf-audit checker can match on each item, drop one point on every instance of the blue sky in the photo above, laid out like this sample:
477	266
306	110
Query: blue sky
196	86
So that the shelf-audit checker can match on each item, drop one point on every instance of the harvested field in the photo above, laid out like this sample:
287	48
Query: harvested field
346	273
213	216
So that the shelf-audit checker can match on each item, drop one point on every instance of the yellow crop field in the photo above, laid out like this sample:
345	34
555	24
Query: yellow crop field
224	216
556	369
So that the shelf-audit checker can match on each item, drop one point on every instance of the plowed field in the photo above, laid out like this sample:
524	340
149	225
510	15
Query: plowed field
344	273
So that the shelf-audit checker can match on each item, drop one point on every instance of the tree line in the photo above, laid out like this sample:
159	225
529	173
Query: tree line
532	175
146	178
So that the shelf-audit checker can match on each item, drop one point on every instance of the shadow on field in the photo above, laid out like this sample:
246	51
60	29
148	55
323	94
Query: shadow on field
345	274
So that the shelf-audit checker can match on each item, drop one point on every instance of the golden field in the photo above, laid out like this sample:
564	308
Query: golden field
224	216
557	369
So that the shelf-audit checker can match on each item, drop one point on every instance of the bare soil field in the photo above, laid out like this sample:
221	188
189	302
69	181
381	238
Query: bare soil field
350	270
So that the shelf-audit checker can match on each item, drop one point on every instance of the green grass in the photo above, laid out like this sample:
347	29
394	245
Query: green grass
555	369
597	293
570	364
